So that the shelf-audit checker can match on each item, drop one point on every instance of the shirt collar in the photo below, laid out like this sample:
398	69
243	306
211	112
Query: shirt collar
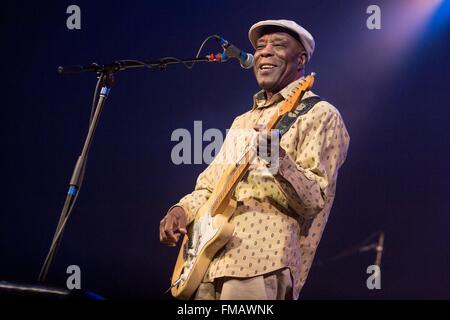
259	99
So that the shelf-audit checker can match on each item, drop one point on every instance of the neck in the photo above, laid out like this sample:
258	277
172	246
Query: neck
271	93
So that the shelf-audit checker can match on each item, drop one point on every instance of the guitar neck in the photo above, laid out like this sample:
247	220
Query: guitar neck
240	168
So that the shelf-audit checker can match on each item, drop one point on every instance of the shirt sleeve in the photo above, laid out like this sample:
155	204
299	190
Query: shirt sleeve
197	198
316	146
205	184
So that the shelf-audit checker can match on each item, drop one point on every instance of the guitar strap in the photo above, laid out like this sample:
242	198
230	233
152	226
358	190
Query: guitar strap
289	118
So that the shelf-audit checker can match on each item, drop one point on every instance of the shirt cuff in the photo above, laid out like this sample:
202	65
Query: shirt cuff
189	214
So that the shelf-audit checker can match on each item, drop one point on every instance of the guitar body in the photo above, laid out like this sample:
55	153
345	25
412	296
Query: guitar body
223	232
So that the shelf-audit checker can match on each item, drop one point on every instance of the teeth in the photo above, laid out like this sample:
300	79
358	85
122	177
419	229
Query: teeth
266	66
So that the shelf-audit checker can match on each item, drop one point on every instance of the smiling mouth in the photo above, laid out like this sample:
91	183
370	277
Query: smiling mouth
265	66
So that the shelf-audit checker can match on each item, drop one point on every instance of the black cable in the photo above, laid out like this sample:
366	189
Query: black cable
94	99
166	60
214	36
63	219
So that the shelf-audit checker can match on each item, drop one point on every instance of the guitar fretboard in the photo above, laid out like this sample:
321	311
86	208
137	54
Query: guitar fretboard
241	167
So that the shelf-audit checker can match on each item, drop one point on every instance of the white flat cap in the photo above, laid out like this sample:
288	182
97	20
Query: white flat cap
291	27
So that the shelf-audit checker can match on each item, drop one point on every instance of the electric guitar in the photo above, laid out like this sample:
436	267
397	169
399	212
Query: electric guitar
211	228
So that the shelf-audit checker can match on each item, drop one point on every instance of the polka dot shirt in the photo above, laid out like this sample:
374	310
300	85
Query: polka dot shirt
280	215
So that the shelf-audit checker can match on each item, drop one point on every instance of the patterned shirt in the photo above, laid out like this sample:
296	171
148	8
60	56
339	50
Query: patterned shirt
280	215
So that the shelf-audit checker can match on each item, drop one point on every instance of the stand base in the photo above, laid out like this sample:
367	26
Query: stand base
37	292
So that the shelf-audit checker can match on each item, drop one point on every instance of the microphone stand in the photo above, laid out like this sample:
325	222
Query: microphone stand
364	247
105	73
379	249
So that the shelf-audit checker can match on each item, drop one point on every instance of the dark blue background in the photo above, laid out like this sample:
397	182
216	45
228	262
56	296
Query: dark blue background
392	94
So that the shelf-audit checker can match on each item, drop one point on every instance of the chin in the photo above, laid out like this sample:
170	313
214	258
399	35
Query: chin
265	84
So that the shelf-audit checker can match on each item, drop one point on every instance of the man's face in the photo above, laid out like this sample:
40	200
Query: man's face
278	61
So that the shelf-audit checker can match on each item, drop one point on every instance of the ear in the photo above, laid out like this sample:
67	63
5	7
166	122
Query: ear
302	60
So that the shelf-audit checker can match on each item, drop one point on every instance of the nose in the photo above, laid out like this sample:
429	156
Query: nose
266	51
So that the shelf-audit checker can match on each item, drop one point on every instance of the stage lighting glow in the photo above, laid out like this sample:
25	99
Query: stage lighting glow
406	22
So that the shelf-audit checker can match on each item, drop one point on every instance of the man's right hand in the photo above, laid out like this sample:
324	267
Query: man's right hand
172	226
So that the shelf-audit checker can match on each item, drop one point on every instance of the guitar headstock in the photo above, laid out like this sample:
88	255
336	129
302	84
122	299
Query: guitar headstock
297	93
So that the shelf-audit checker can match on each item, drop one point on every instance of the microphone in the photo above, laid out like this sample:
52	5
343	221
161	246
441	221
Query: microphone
246	60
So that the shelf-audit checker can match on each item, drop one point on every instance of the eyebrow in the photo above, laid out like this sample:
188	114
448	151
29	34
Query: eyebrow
273	40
